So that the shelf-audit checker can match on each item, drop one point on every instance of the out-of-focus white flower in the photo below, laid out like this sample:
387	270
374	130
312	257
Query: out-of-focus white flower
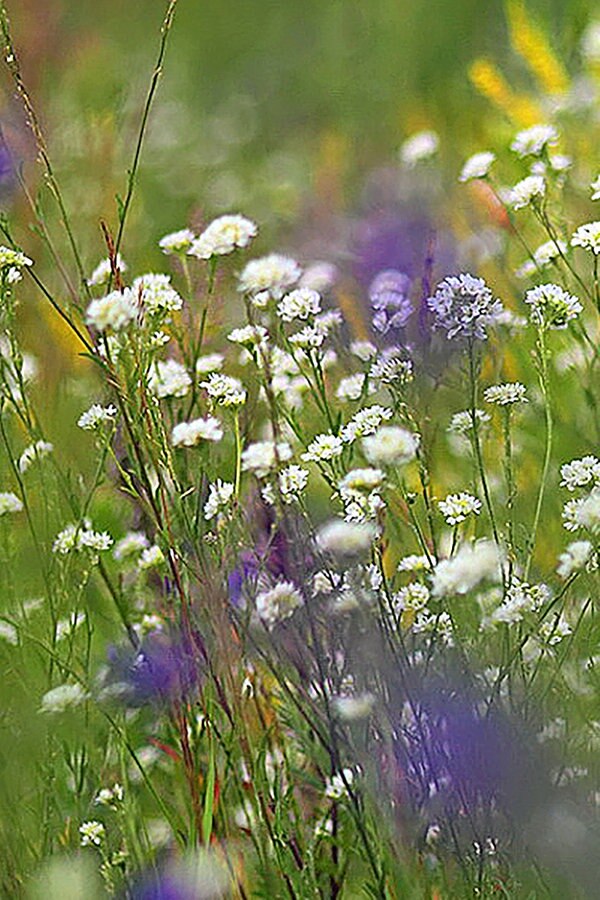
595	186
9	503
533	141
116	311
346	539
477	166
279	603
103	270
419	147
62	698
130	545
527	191
587	514
223	236
472	564
8	633
151	558
590	42
250	336
273	274
352	708
95	416
351	387
588	237
263	456
177	241
574	558
32	453
390	446
211	362
189	434
319	276
365	350
169	378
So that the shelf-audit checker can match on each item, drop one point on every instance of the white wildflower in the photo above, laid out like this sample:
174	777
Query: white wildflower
362	480
263	456
570	513
189	434
224	390
110	796
506	394
457	507
419	147
292	483
590	42
115	311
308	338
62	698
413	563
553	633
365	350
177	241
169	378
32	453
462	422
477	166
551	306
366	421
392	368
525	192
323	447
151	558
580	472
390	446
588	237
574	558
8	633
319	276
211	362
595	186
339	784
92	833
130	545
328	321
223	236
155	294
273	273
67	627
352	708
279	603
9	503
302	303
101	274
219	497
250	336
351	387
95	416
588	513
414	596
346	539
532	141
472	564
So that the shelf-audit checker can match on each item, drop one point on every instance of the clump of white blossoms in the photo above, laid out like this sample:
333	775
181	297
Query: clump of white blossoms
577	555
323	447
391	368
456	508
102	272
223	236
62	698
543	256
506	394
353	707
189	434
339	784
346	540
110	797
292	483
390	446
580	472
155	294
419	147
116	311
219	498
76	538
9	503
177	241
34	452
210	362
551	306
365	350
130	545
151	558
303	303
92	833
362	480
529	190
462	422
414	596
279	603
588	237
534	140
351	387
273	274
224	389
587	514
413	563
169	378
477	166
250	336
96	415
463	306
366	421
521	598
263	456
472	564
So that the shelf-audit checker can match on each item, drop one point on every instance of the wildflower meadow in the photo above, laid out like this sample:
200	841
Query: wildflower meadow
300	453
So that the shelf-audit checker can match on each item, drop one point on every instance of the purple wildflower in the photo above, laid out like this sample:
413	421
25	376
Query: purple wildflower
463	307
389	297
161	670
